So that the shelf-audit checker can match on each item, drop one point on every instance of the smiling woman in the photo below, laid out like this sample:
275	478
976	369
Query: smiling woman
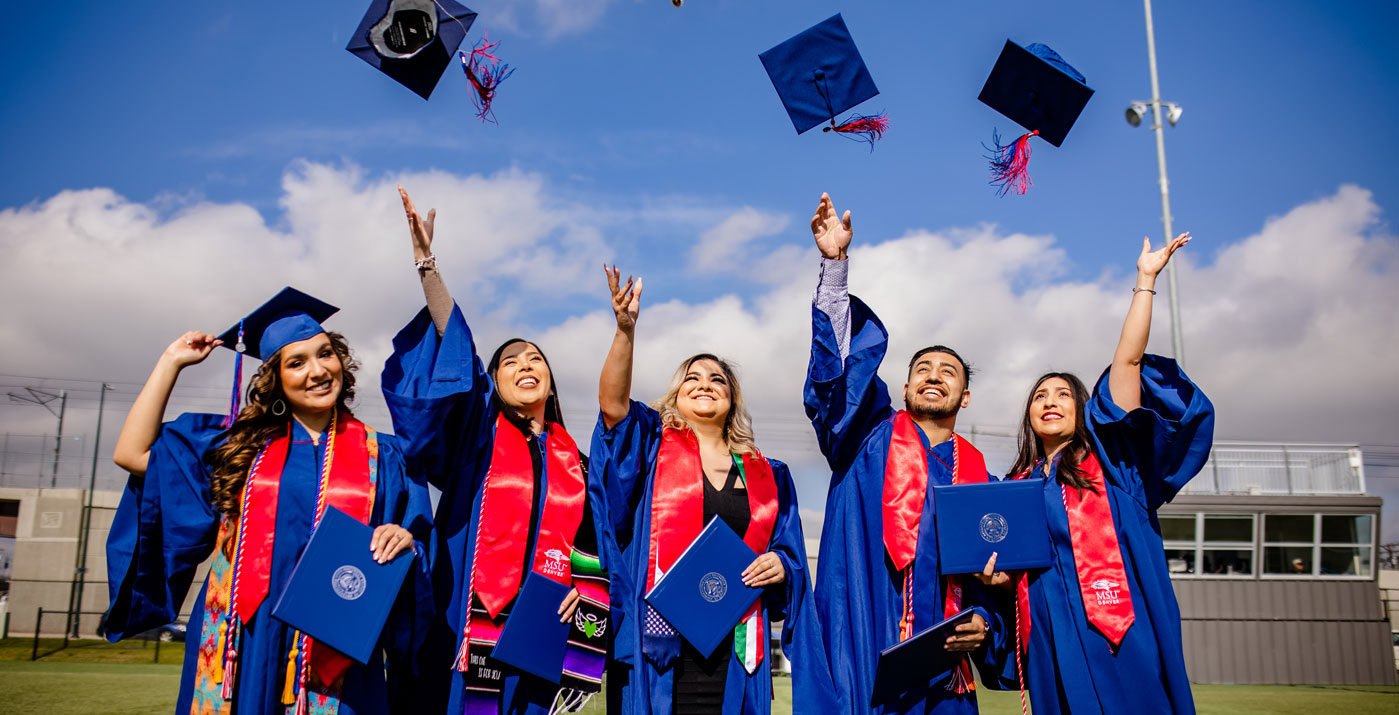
515	505
1099	631
249	488
667	471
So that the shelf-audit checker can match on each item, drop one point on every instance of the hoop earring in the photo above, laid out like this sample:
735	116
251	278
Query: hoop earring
279	408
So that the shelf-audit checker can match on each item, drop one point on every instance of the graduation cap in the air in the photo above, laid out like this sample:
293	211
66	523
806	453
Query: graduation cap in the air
290	316
818	74
411	41
1034	87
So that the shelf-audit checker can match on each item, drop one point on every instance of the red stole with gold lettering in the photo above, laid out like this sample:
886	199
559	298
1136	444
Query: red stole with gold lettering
904	496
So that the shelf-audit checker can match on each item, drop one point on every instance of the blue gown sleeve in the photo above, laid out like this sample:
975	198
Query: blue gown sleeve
403	500
1155	449
164	528
846	399
790	546
619	464
439	396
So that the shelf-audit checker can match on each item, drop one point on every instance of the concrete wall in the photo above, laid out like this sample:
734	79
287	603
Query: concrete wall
46	553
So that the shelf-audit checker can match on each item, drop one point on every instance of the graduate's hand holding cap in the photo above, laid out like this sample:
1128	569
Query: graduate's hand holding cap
191	348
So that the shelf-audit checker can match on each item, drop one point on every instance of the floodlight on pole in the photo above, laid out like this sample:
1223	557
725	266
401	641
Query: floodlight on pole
1135	113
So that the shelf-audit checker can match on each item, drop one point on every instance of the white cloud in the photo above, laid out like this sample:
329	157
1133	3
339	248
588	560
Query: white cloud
1291	331
727	246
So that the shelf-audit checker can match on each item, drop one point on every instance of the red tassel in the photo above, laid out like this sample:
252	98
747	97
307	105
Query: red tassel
868	128
1010	163
485	71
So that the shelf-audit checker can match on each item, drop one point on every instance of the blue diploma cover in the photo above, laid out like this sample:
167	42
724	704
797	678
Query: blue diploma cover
702	595
533	639
974	520
918	661
338	594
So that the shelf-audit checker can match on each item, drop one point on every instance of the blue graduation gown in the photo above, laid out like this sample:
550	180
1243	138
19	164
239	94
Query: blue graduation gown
858	594
165	527
440	398
1147	455
623	473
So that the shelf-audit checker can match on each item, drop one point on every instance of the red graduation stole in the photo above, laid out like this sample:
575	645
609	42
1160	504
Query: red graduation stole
905	493
1102	575
677	515
346	485
502	533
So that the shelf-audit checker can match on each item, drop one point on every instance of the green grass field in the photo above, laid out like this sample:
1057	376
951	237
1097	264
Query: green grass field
97	677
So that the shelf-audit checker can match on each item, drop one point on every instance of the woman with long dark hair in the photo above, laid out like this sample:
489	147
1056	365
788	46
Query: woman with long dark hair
514	502
1099	630
250	490
666	471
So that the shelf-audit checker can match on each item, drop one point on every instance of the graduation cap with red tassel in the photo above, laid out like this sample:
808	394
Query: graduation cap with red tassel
1034	87
819	74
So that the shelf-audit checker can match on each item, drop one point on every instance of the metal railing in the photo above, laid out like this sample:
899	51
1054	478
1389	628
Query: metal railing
1280	469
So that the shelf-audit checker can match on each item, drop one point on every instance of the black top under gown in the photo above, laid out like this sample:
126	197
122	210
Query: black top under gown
699	681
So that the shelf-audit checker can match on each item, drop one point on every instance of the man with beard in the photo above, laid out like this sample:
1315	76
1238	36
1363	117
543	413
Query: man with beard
877	581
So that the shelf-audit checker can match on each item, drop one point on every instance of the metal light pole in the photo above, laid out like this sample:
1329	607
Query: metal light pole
80	572
1177	344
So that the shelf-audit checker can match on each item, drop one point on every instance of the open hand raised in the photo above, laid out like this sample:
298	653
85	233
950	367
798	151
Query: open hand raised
832	235
1151	263
626	299
419	228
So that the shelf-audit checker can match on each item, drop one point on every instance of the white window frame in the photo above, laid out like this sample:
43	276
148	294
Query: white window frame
1315	545
1200	546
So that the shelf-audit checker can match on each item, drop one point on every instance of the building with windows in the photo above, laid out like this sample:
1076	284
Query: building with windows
1272	552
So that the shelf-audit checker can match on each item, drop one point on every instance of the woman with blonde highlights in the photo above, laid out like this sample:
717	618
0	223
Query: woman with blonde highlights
250	491
666	471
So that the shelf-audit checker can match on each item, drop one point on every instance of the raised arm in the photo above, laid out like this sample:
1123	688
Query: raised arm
142	426
439	300
832	296
1125	375
614	386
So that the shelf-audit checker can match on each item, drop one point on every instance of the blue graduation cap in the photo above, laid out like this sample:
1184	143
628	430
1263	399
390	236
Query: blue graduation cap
412	41
290	316
1034	87
818	74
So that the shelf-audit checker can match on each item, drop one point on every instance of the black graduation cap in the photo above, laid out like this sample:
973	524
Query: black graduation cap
412	41
1034	87
818	74
289	317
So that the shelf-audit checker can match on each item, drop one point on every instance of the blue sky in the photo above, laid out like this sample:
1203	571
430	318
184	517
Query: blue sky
1284	101
164	147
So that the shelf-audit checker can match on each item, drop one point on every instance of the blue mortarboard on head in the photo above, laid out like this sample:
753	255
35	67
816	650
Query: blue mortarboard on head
1034	87
818	74
412	41
289	317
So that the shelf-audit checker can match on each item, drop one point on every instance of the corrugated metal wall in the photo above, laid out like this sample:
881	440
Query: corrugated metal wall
1286	632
